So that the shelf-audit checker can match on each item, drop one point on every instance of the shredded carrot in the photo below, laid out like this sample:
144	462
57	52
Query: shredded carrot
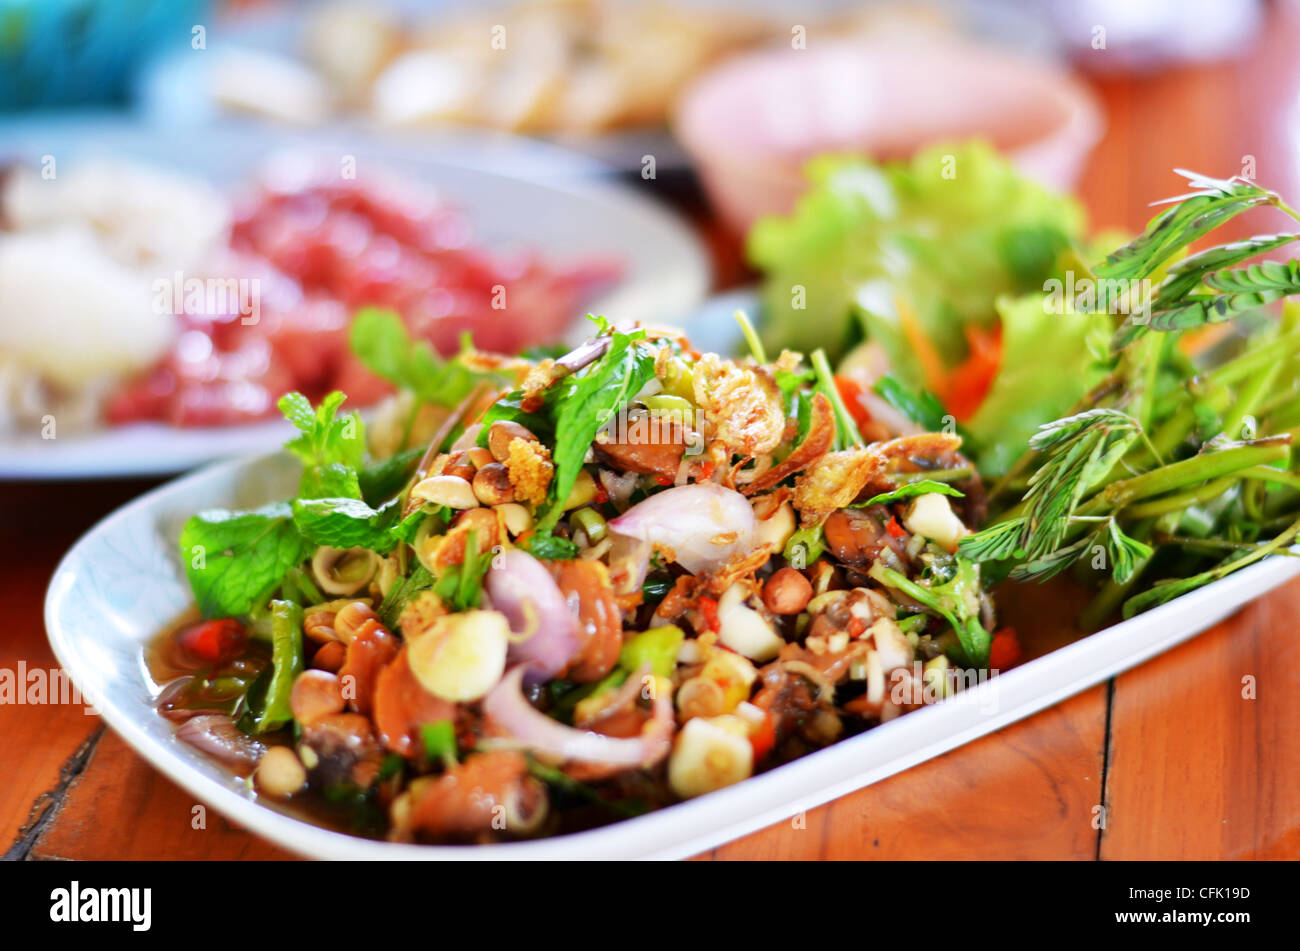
969	383
931	363
963	388
894	528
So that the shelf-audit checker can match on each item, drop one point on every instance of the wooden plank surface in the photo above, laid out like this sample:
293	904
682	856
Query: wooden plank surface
1204	758
1191	767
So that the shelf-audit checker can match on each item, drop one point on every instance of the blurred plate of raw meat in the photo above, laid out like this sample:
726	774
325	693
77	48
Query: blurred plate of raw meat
159	289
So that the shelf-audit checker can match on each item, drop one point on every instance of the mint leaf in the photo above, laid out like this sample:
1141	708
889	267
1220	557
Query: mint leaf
332	481
380	341
911	490
379	481
586	403
324	437
550	547
347	523
233	560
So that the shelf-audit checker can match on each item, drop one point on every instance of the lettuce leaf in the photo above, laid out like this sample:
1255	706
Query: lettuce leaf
1047	366
945	234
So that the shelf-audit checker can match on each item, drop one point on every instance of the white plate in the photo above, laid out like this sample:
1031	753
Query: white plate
177	89
554	209
122	583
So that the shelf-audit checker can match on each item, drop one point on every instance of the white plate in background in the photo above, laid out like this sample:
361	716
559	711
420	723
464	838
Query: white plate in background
556	208
122	584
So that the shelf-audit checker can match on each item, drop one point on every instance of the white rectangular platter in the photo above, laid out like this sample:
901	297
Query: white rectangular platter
123	583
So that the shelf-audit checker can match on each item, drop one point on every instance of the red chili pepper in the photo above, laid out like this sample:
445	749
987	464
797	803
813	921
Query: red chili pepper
664	480
894	528
709	609
1005	649
856	626
849	391
601	495
763	737
706	471
214	642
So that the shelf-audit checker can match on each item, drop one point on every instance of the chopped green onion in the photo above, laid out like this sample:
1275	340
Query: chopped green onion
751	337
591	522
439	738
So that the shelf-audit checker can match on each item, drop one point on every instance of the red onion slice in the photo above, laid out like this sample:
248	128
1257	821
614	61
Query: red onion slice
705	525
219	737
521	588
531	729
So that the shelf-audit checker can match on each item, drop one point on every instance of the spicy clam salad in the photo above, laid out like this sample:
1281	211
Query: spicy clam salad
540	593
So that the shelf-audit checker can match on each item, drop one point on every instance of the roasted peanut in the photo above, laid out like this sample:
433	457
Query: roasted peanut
449	490
460	465
787	592
479	456
280	773
502	434
517	518
492	485
315	694
319	627
350	619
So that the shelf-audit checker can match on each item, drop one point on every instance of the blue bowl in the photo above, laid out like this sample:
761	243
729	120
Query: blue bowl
68	52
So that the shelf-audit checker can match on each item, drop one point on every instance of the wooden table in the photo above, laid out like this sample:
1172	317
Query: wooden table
1170	760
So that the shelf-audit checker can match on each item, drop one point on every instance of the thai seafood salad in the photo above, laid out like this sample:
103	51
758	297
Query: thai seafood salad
545	592
541	594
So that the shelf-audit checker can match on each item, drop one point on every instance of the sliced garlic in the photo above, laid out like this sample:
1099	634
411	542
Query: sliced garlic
710	753
462	656
932	517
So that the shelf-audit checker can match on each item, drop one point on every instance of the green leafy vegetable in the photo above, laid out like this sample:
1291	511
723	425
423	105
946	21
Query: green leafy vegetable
911	490
957	601
1046	368
589	401
550	547
287	663
947	232
380	481
439	739
327	444
574	410
234	560
1211	203
348	523
380	340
